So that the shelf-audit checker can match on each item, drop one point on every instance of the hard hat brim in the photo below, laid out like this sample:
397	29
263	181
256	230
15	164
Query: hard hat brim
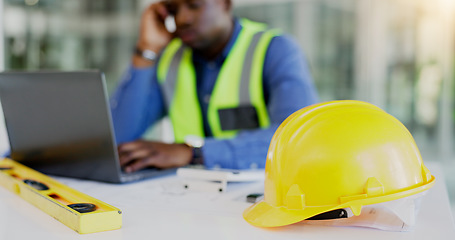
263	214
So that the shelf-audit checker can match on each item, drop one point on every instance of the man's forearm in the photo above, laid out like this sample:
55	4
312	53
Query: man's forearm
136	104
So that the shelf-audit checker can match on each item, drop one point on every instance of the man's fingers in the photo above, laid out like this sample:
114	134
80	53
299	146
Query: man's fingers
138	154
137	165
155	14
161	10
130	146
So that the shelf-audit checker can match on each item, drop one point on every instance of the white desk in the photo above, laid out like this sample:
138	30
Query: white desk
162	209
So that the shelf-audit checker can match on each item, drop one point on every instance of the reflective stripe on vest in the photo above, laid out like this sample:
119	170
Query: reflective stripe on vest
239	84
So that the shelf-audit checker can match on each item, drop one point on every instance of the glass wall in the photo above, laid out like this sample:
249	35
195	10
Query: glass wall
397	54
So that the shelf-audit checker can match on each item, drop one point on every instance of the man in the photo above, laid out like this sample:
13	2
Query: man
227	80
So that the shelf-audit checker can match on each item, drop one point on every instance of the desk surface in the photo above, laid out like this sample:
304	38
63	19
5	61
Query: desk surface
162	209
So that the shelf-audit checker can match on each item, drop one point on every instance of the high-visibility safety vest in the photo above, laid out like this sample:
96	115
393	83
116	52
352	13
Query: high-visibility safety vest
237	101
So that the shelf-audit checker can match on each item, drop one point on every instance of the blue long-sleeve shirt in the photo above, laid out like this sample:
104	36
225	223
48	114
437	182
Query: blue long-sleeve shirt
138	102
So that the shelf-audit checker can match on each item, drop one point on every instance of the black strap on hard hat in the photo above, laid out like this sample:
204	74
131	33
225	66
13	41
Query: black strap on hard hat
334	214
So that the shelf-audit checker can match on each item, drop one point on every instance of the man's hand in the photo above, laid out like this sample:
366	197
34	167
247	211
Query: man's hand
153	34
141	154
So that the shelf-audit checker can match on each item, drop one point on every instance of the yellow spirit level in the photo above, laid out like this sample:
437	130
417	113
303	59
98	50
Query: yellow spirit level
78	211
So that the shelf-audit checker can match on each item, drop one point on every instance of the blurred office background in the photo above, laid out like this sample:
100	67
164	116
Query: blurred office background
397	54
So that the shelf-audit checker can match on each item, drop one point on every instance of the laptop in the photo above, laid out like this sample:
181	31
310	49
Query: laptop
59	123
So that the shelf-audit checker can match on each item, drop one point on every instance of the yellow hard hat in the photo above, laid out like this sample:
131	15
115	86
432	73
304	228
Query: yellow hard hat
335	155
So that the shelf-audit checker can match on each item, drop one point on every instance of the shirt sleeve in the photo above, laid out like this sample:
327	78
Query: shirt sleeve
288	87
136	104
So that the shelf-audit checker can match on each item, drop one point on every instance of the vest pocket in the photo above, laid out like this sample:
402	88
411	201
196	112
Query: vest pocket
242	117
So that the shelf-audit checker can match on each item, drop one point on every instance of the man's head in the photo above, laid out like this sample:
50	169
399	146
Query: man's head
201	24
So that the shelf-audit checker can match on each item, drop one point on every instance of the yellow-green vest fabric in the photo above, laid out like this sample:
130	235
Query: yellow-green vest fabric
239	84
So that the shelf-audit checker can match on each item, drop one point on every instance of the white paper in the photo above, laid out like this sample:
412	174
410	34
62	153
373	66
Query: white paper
397	215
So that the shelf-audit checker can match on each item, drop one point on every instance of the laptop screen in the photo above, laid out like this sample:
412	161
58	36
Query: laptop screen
59	123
